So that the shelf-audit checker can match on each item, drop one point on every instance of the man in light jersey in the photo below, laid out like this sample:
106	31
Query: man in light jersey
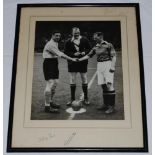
51	53
106	59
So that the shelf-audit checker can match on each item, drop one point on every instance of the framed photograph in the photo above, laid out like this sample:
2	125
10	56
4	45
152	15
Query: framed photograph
78	79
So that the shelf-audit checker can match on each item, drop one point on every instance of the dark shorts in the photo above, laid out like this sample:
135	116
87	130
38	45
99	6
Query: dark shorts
50	68
80	67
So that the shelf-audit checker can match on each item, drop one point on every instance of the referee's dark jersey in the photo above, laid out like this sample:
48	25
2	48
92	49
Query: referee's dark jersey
71	47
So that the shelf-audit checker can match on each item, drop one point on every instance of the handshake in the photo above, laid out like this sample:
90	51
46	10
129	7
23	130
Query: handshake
75	59
79	54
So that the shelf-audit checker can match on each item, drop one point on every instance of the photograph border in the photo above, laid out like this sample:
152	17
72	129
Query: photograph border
13	83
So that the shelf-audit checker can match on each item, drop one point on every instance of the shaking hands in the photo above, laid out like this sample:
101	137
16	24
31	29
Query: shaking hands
83	54
80	59
79	54
75	59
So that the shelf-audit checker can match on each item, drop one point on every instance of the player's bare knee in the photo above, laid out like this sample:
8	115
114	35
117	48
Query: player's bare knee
48	88
52	84
84	78
104	87
47	92
72	79
110	86
55	83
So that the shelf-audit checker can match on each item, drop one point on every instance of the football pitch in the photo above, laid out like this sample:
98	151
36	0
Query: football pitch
62	95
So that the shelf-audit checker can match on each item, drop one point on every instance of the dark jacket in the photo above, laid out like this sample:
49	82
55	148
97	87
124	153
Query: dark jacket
84	46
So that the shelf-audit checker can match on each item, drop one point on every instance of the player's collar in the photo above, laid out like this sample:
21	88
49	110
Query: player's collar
72	39
54	41
103	42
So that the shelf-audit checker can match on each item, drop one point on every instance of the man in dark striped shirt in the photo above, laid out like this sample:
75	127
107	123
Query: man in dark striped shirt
106	59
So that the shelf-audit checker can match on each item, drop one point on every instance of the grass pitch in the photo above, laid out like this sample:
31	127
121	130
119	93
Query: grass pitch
62	95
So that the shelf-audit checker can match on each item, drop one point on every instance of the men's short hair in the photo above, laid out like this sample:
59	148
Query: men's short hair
55	31
98	34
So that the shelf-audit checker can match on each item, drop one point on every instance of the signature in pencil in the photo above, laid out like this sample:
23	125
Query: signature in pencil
69	139
47	137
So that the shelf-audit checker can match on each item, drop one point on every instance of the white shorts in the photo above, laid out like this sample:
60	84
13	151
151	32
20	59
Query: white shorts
103	74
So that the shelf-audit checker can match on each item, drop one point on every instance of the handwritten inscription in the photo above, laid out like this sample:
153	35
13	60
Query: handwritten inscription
69	139
49	136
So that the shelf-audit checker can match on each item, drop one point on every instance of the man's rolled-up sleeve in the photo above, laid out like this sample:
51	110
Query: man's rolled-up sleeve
91	53
55	51
112	50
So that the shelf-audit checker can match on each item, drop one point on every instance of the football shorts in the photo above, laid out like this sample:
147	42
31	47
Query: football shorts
50	68
80	67
103	73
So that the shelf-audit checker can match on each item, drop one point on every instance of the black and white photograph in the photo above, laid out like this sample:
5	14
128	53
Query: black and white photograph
77	81
77	72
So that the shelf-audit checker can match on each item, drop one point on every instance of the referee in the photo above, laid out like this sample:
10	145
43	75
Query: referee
76	47
106	59
51	71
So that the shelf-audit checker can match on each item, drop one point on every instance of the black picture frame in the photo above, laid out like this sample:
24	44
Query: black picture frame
14	71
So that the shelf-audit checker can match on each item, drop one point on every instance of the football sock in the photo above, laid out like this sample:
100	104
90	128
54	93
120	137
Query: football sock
53	88
73	88
109	98
85	90
104	87
52	94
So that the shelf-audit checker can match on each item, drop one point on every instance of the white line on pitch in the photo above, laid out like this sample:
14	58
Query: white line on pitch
82	94
89	84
